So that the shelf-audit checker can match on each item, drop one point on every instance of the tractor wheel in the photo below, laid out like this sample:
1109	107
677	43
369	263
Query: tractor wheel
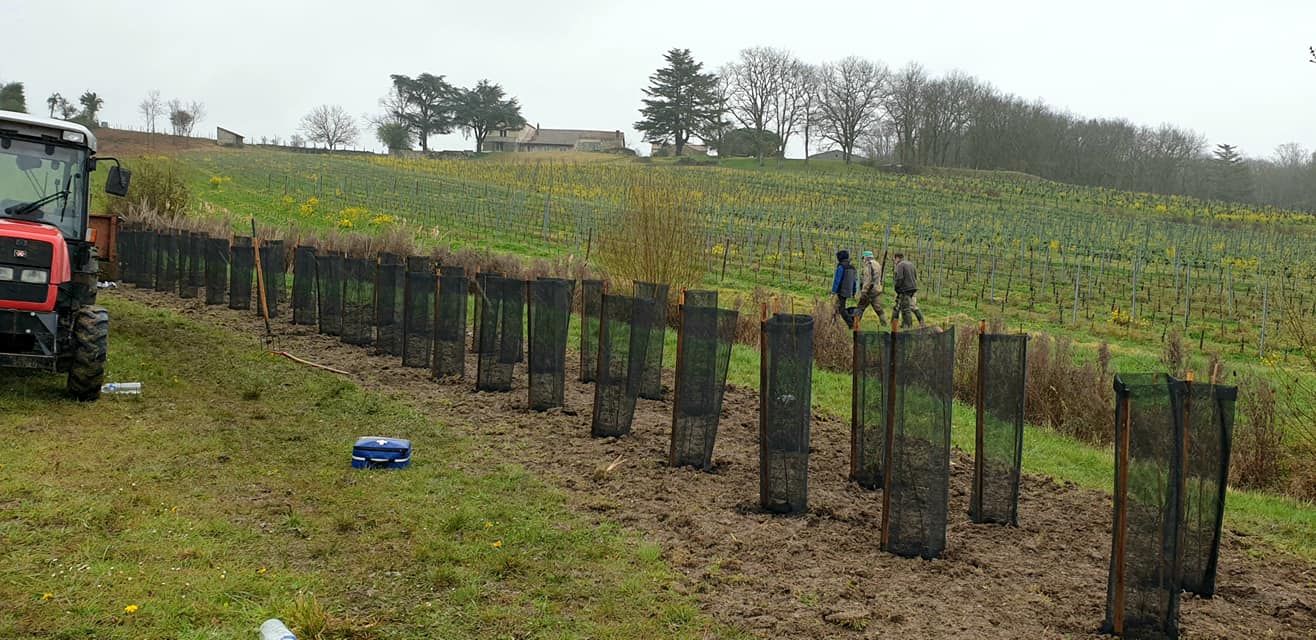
91	336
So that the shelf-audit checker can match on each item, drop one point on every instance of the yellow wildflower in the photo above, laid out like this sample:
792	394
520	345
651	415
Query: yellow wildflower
132	608
498	544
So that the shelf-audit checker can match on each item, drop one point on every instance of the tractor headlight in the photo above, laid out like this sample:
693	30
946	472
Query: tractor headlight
34	276
6	273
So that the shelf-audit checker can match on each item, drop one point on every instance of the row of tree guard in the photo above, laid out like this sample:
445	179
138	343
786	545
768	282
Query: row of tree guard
1172	436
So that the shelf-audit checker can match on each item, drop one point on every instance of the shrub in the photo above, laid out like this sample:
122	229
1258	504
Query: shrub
157	185
1258	451
655	240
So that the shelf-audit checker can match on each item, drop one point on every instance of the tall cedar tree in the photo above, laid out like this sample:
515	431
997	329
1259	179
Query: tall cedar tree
485	108
681	100
425	103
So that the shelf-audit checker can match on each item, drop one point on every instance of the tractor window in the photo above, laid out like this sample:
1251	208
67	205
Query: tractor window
28	173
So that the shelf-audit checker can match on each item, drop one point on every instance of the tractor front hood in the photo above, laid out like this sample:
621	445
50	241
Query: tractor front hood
27	245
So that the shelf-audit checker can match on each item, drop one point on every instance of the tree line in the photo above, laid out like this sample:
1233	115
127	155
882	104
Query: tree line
415	109
766	97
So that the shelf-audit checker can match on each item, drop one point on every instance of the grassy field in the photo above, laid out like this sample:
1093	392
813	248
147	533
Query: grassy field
223	496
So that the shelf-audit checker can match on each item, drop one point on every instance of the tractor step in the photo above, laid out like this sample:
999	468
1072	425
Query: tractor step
28	361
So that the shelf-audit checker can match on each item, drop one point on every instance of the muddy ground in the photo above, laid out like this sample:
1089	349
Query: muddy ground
819	575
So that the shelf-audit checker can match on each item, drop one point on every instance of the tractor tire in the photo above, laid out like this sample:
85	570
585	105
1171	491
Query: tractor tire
91	337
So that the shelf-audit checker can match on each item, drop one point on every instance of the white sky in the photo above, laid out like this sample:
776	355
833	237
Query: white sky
1234	71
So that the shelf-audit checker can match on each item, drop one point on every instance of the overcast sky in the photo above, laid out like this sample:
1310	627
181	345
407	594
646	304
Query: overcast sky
1236	72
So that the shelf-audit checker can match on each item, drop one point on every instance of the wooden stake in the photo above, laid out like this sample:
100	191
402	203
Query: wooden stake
260	283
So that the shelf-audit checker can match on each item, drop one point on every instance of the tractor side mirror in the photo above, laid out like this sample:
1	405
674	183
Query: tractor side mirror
116	184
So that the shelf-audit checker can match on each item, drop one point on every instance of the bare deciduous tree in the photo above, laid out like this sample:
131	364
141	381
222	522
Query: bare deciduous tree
198	111
756	83
850	97
151	108
329	125
904	104
790	107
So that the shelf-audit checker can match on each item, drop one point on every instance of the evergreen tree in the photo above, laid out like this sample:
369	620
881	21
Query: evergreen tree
485	108
12	97
680	100
1233	178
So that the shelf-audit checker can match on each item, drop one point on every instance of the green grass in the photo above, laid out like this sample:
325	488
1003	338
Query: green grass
223	496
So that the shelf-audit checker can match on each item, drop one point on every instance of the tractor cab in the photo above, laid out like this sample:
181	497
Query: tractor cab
48	314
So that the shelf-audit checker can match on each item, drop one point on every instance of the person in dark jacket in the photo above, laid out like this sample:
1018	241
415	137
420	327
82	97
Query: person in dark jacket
845	284
906	285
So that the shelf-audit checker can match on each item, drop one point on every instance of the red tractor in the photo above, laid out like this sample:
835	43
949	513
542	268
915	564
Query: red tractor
48	314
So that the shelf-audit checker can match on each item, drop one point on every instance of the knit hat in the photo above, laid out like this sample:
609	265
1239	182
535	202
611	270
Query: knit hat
868	254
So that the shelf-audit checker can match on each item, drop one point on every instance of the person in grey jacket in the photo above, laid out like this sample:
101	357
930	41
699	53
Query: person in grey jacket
906	286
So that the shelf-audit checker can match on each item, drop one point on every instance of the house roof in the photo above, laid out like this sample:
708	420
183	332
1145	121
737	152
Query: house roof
569	137
229	132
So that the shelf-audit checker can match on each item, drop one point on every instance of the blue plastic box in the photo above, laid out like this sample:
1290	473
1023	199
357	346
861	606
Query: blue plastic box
373	452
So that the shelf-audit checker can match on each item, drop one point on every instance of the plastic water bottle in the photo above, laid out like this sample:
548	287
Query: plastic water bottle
273	629
123	388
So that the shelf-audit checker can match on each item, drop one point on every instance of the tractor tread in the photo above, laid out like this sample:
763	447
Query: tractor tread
91	335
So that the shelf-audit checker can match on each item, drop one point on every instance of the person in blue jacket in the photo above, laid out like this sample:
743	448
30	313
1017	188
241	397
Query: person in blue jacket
845	285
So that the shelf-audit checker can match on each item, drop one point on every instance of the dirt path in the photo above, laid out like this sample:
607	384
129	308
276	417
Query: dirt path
820	575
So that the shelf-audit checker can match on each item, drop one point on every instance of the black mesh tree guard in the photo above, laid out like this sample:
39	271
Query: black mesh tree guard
149	259
166	256
217	267
623	338
550	318
1210	431
870	377
1146	566
478	308
358	301
703	354
999	440
418	317
786	394
591	304
125	244
501	324
195	278
272	269
651	380
184	263
303	285
329	284
450	324
916	487
242	267
389	284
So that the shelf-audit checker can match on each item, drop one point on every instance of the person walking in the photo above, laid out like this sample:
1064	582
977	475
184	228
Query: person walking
870	288
845	284
906	285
